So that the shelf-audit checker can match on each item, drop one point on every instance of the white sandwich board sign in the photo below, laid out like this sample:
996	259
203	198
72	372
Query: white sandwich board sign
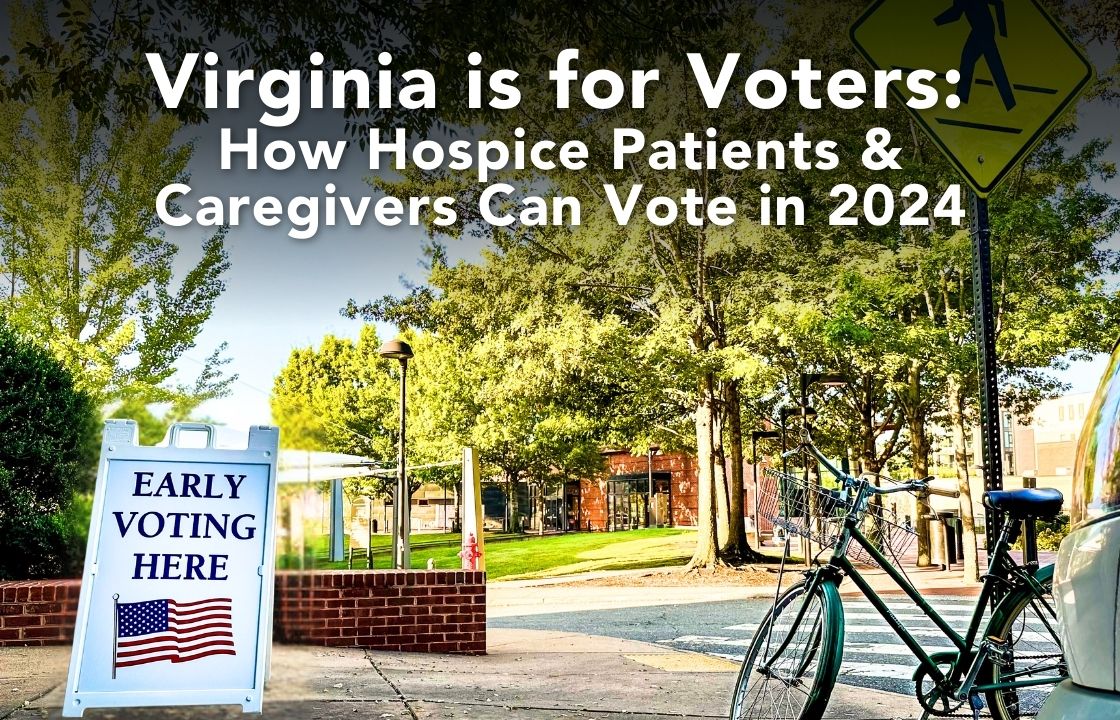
177	592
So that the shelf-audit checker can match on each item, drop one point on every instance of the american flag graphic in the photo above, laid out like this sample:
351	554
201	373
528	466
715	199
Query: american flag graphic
158	630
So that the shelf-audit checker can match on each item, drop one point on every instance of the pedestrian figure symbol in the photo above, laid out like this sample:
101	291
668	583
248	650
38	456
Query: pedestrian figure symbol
1006	73
981	43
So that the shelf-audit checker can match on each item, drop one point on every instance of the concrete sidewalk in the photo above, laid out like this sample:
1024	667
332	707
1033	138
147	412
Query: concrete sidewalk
528	674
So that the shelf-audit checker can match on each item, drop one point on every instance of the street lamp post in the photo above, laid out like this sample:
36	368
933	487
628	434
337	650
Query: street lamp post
825	379
757	435
402	351
808	380
784	414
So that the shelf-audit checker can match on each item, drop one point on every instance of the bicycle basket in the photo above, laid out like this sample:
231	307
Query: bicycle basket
816	512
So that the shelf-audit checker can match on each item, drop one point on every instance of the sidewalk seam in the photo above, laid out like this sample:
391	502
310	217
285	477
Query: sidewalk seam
400	695
573	708
28	701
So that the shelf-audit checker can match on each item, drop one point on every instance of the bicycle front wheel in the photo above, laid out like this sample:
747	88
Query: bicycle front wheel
791	665
1027	624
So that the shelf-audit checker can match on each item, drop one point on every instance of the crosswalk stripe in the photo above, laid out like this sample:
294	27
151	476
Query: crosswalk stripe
877	670
888	649
856	669
1038	635
949	617
877	629
965	607
850	648
874	655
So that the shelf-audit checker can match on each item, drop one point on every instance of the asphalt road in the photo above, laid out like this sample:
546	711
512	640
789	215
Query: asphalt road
873	655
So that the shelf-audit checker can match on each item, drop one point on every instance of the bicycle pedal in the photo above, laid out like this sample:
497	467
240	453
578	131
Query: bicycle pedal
996	647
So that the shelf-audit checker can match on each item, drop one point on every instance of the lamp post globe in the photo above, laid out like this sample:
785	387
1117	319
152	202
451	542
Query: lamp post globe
396	350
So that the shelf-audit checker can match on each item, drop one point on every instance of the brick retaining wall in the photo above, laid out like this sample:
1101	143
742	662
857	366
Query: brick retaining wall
419	611
433	611
38	612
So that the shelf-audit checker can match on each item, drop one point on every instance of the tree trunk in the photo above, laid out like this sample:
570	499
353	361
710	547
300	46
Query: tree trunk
514	511
969	552
739	548
722	487
705	554
540	510
919	451
508	491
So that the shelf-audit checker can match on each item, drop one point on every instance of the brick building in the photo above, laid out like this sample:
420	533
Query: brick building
653	490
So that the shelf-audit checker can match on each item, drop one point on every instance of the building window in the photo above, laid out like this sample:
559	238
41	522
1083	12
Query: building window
1061	413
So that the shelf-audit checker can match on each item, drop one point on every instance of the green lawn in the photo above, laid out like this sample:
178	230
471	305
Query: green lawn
317	549
527	556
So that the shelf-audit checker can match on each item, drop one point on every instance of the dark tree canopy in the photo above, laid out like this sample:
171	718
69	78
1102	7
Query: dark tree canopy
48	445
99	52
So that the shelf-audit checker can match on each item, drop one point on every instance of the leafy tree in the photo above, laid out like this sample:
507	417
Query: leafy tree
529	416
107	42
340	397
48	446
532	383
911	290
343	397
660	282
87	268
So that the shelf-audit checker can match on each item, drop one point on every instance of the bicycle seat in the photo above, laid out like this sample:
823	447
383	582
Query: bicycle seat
1025	503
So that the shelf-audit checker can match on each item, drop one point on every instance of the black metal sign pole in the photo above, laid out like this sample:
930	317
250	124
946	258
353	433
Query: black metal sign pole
983	318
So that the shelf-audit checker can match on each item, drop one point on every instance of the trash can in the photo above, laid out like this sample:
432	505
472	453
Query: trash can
943	540
954	535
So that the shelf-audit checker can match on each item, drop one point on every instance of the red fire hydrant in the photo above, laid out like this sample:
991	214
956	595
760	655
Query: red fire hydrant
470	553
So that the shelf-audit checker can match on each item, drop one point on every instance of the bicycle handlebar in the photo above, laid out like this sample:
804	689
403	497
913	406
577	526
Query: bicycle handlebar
919	485
943	493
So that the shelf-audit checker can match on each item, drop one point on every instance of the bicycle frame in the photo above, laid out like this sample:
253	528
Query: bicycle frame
840	566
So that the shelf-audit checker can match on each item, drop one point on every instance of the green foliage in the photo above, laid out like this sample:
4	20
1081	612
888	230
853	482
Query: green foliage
340	397
48	446
1049	533
513	395
88	270
1052	532
707	323
109	42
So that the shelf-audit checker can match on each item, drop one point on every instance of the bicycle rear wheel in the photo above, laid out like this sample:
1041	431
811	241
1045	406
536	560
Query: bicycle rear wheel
793	680
1028	625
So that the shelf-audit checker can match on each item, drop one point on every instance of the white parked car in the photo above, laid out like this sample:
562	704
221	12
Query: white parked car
1087	575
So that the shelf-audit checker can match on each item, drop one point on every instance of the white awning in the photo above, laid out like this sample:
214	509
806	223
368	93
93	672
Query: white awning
308	466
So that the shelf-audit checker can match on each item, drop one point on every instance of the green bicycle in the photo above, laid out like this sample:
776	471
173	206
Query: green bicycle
1011	657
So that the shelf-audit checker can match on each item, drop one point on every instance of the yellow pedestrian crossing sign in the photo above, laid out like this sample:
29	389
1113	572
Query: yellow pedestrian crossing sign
1010	64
